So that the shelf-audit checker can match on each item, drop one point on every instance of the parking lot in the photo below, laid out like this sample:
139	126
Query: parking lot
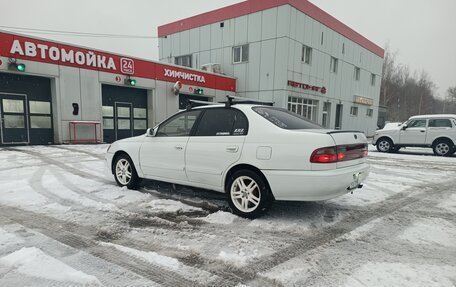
64	222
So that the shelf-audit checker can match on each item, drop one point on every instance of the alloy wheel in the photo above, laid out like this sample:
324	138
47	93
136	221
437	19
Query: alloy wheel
384	146
442	148
123	171
245	194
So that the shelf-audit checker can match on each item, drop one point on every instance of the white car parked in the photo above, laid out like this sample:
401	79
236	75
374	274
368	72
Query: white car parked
254	153
435	131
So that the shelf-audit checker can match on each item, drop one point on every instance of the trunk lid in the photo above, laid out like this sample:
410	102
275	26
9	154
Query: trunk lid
353	144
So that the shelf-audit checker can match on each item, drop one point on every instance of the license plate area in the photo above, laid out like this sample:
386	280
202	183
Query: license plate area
355	183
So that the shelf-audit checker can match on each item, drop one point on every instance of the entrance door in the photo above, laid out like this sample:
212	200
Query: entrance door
124	112
123	120
13	114
339	110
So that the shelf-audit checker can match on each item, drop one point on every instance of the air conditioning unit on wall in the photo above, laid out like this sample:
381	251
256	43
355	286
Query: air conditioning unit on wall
212	68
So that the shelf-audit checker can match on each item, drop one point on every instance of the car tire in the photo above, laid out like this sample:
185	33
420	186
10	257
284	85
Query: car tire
443	148
385	145
396	149
249	195
125	173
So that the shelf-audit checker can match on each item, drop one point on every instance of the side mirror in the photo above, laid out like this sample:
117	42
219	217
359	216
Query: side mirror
404	127
151	132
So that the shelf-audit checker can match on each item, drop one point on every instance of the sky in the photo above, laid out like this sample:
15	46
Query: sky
421	32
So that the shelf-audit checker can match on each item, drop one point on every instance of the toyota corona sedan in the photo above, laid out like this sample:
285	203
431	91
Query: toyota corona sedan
254	153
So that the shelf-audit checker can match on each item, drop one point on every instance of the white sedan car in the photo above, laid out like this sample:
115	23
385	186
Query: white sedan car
255	154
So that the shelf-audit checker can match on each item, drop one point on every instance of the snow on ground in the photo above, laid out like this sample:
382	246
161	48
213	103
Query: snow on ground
221	217
35	263
400	274
433	231
60	209
168	206
150	257
7	238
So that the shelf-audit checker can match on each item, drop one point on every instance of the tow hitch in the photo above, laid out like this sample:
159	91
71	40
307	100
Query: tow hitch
355	184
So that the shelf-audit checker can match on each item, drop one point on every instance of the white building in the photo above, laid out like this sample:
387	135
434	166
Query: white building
56	93
286	51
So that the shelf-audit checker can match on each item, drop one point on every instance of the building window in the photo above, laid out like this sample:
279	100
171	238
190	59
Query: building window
357	73
354	111
322	35
326	114
185	61
343	48
306	56
305	107
334	64
370	112
241	54
373	78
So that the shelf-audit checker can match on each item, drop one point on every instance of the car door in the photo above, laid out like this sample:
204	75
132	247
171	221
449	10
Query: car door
414	133
438	128
216	144
163	155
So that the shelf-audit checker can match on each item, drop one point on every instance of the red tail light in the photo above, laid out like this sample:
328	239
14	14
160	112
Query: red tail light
338	153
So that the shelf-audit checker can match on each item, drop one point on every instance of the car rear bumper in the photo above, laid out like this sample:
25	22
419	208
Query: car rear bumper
315	185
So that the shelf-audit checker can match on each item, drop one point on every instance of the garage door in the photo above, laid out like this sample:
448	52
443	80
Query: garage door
25	110
124	112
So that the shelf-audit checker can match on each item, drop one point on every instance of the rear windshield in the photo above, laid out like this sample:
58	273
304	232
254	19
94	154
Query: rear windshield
285	119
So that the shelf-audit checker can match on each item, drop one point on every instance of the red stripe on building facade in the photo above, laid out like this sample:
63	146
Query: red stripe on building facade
32	49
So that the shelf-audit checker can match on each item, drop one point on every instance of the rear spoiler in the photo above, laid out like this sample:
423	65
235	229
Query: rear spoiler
341	132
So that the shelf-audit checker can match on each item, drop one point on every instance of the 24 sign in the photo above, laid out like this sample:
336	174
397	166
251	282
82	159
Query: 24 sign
127	66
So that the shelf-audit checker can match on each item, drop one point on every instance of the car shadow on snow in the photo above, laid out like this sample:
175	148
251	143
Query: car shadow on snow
313	213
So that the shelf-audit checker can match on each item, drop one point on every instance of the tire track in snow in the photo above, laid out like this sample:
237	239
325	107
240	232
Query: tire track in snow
354	220
98	156
74	188
80	237
63	166
36	182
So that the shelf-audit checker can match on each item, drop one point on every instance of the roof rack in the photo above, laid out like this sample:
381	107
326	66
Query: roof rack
230	101
195	103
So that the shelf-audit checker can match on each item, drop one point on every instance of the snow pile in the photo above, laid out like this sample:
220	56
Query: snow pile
150	257
294	275
34	262
238	258
168	206
449	204
362	230
404	275
431	231
220	217
7	239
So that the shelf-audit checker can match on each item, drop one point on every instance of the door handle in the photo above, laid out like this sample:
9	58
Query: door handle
232	149
423	131
179	147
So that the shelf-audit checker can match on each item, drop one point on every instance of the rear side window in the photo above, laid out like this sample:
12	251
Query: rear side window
222	122
285	119
440	123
